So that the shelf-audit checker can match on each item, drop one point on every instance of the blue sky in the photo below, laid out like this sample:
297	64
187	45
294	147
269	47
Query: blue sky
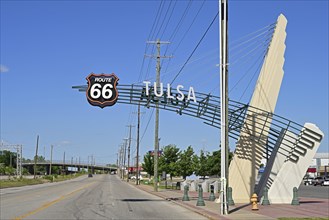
49	46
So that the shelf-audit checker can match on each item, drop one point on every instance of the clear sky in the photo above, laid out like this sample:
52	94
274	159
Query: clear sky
49	46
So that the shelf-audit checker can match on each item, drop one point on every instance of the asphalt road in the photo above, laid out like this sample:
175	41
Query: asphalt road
321	192
99	197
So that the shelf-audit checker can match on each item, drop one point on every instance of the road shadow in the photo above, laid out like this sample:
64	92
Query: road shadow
141	200
306	202
238	208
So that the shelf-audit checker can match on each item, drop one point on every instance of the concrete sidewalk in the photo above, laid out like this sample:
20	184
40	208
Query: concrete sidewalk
308	207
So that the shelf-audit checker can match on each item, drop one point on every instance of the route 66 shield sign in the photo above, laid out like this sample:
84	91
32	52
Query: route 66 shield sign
102	90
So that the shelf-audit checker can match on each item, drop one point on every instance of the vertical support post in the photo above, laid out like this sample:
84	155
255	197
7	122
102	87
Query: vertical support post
51	158
19	160
117	160
137	157
124	157
88	165
156	130
71	165
36	157
224	105
64	163
156	135
130	126
121	161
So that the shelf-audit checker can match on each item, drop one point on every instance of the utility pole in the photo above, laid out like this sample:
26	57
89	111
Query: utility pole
124	156
117	160
156	132
130	126
64	163
71	165
51	158
121	160
224	103
88	165
36	157
137	150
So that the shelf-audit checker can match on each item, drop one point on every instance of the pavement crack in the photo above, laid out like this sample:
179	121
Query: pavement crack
97	213
129	207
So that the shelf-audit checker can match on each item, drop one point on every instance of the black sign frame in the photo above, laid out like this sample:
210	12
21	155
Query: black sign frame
102	89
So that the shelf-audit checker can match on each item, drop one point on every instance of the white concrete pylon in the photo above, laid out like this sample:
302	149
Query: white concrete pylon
249	150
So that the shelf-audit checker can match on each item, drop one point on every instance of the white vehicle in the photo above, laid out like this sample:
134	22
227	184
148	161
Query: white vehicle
134	177
326	182
308	181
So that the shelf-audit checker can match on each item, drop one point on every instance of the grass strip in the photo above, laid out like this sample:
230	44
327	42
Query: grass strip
17	182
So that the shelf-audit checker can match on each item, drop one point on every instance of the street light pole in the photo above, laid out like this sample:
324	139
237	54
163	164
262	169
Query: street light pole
224	104
137	156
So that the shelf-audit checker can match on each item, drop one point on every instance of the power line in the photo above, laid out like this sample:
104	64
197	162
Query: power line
171	13
188	29
196	47
156	36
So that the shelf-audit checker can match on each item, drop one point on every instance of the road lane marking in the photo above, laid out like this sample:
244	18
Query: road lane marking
46	205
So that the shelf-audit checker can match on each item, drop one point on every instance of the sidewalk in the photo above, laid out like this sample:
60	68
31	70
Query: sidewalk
308	207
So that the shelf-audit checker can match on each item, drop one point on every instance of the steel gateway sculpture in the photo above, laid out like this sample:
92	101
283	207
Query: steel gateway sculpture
259	133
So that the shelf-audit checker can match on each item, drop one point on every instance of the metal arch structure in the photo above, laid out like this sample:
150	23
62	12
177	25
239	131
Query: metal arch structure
288	146
207	108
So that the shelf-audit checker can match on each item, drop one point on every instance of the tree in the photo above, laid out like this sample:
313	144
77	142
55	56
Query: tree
214	162
168	159
40	159
185	166
202	167
8	158
111	165
148	164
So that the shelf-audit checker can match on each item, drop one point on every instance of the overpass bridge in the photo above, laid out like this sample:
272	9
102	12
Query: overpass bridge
69	167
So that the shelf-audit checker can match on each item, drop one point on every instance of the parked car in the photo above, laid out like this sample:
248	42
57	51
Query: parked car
134	177
326	182
90	175
308	181
318	181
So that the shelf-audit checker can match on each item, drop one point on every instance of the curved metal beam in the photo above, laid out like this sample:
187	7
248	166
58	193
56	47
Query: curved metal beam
207	108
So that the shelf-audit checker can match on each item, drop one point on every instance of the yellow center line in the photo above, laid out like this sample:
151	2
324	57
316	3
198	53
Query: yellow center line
46	205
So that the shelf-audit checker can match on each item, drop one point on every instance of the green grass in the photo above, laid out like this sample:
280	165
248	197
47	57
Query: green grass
20	182
17	182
